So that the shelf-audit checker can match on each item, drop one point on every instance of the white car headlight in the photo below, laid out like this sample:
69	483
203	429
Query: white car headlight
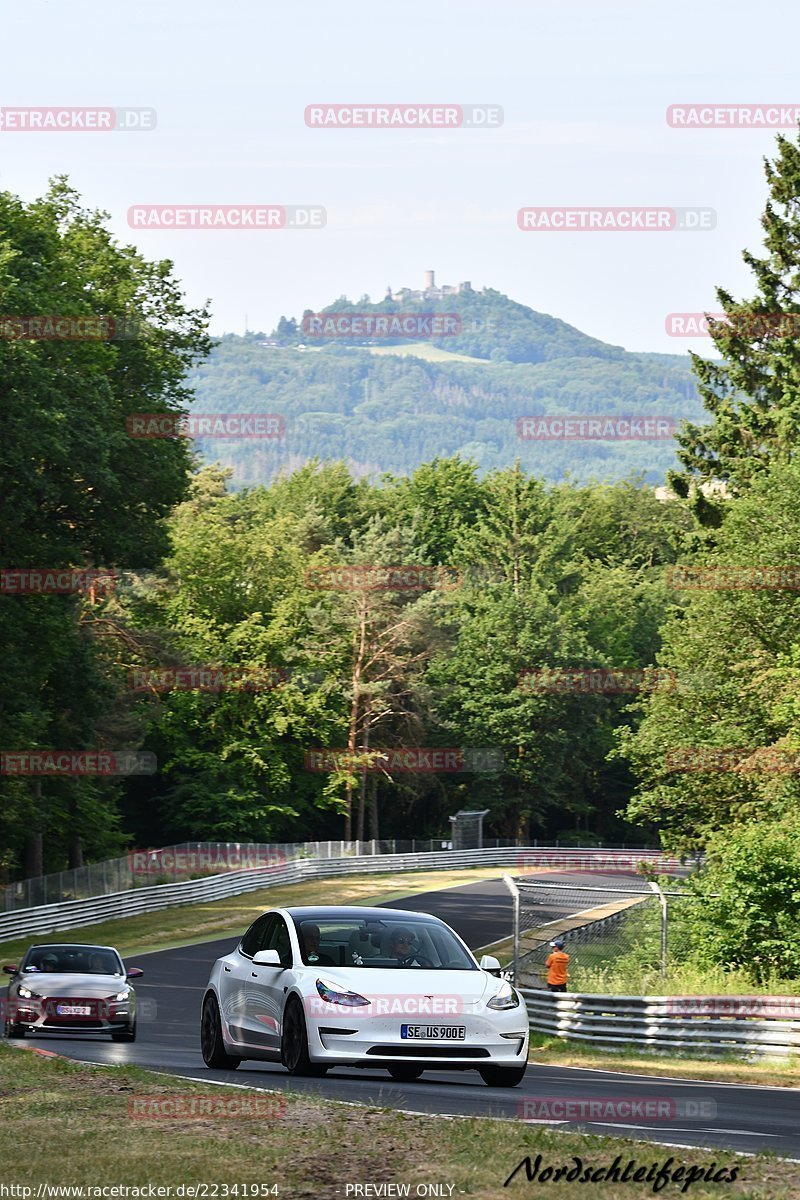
25	993
121	996
505	998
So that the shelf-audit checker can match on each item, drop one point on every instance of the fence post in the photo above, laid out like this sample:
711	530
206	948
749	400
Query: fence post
512	887
663	900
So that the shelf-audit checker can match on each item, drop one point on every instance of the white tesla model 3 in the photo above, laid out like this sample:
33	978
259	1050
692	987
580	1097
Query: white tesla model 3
320	987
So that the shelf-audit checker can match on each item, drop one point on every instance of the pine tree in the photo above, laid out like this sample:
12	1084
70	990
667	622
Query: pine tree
753	395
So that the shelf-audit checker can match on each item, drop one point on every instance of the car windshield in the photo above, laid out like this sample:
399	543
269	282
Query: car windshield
73	960
343	942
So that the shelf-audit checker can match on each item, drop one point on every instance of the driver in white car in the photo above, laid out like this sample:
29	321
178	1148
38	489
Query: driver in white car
401	947
311	940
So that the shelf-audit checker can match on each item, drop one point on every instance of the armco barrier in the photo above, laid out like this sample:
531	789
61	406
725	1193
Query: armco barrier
748	1026
50	918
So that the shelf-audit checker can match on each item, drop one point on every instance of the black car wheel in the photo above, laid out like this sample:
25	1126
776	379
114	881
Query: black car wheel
503	1076
128	1034
211	1043
405	1074
13	1030
294	1042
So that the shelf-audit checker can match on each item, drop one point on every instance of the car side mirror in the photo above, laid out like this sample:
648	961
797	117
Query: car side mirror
489	963
9	970
267	958
134	973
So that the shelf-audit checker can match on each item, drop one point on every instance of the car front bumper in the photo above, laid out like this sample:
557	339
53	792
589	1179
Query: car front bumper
372	1042
39	1015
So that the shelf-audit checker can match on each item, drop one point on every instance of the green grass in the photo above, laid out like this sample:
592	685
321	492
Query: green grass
553	1051
65	1123
427	351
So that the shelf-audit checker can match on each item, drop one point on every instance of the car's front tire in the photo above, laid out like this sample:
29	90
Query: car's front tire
405	1073
128	1034
13	1030
294	1042
503	1076
211	1043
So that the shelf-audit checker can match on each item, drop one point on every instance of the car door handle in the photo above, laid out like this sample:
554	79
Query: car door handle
254	974
227	969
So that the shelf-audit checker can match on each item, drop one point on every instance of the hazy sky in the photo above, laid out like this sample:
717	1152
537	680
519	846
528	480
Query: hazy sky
584	88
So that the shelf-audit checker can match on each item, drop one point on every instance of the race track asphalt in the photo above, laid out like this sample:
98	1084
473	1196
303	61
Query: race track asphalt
699	1114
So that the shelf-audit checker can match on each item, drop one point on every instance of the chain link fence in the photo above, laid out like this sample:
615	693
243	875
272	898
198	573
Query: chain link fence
616	935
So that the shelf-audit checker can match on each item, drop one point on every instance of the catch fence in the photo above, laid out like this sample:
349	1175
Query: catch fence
608	928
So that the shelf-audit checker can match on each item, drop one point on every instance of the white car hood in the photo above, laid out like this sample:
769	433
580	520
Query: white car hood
408	981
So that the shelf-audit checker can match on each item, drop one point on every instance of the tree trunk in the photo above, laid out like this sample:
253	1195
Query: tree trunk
362	791
75	853
359	643
34	855
34	844
373	810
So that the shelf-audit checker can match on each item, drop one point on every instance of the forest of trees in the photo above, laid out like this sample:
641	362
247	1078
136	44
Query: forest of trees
274	586
394	404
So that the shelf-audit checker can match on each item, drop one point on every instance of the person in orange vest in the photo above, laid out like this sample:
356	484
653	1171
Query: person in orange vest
556	964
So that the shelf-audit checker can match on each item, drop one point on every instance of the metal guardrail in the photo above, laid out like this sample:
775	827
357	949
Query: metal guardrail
749	1026
169	864
71	914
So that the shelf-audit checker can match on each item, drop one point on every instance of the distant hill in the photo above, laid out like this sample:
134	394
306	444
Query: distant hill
390	403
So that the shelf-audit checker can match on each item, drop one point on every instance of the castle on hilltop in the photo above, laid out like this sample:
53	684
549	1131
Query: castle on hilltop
429	291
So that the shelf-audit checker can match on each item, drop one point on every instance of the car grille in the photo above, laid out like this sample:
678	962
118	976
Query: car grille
428	1051
56	1020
